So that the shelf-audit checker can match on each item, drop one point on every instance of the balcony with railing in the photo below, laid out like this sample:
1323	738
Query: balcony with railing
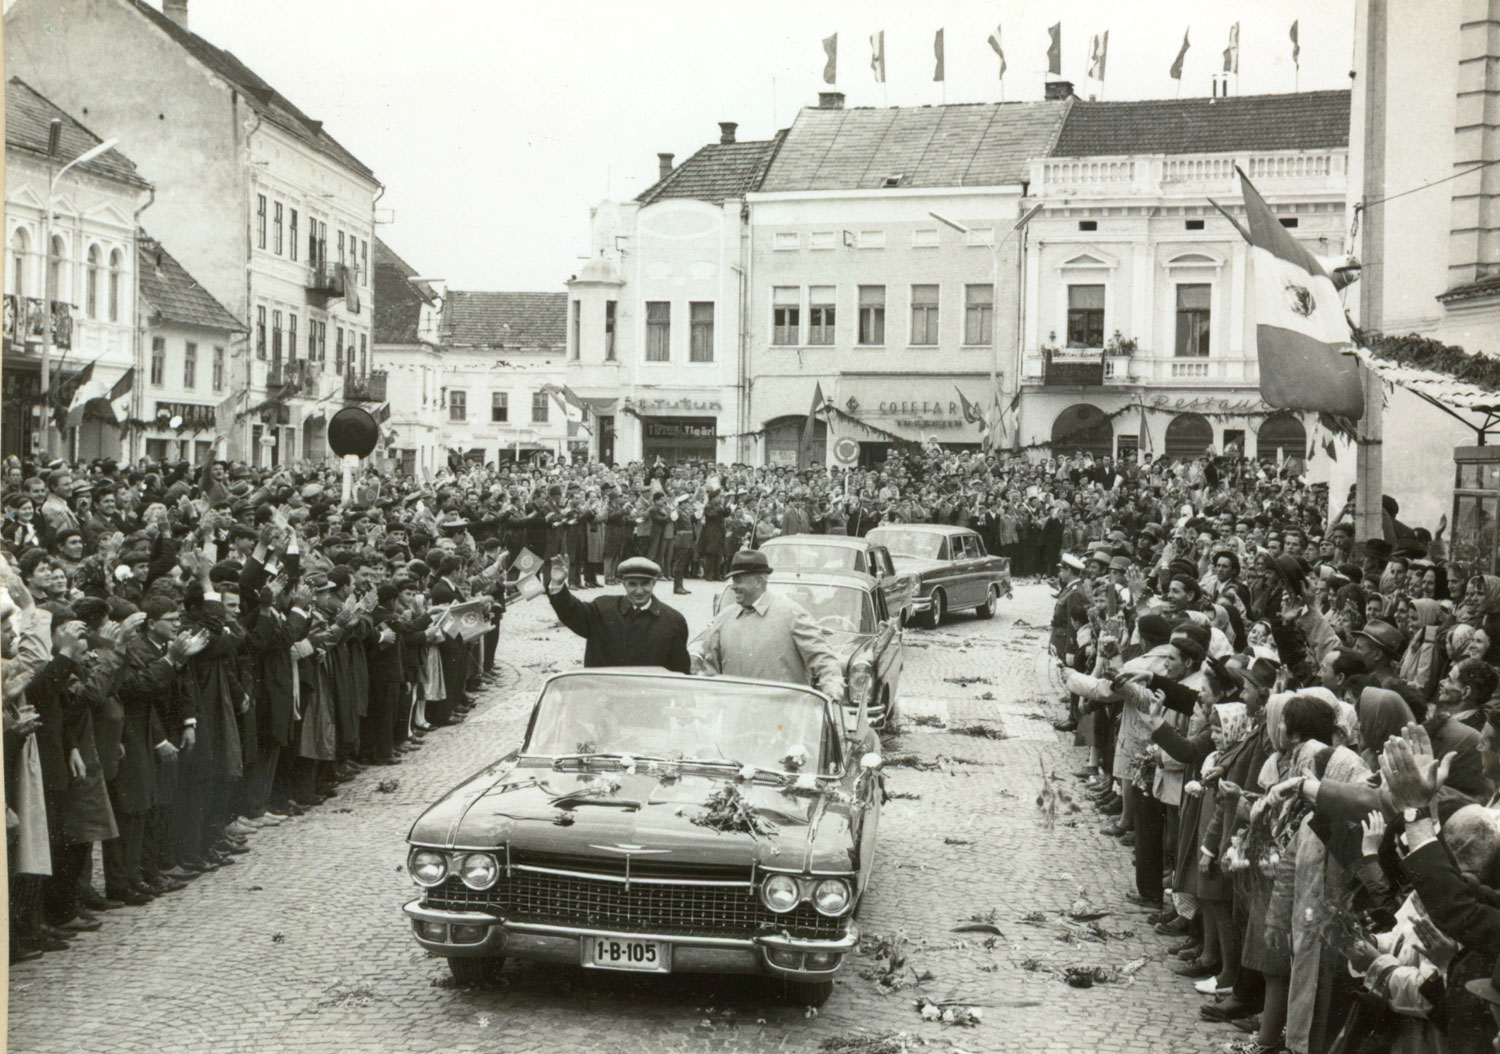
368	389
1316	172
1074	367
326	279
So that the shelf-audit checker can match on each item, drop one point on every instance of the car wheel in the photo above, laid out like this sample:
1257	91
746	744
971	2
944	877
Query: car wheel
991	602
807	993
938	610
475	971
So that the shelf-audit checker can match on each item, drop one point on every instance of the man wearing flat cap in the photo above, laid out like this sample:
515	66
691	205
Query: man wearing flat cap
635	629
765	636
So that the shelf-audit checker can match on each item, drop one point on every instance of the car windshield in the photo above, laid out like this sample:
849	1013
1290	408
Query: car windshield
804	556
924	545
841	609
692	718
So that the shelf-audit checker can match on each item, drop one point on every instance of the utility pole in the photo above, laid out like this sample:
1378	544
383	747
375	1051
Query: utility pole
1368	521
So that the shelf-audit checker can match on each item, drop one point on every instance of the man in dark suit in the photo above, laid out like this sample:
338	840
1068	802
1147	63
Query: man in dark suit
448	589
631	630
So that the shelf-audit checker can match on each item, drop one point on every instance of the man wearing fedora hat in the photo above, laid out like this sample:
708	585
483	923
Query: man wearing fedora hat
635	629
765	636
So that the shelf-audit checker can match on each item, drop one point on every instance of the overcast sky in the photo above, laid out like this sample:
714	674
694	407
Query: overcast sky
495	125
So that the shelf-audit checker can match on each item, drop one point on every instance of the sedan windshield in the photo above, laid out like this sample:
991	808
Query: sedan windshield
802	556
839	609
682	717
924	545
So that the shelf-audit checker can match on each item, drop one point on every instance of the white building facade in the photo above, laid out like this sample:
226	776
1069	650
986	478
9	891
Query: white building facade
654	326
1135	335
90	270
257	200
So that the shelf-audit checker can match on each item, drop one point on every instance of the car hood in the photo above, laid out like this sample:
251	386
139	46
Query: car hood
535	809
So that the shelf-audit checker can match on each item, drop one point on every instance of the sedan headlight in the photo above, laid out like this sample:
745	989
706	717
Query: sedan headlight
478	870
831	896
861	682
780	893
427	866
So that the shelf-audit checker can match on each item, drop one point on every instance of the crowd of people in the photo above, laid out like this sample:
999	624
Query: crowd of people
1299	736
195	652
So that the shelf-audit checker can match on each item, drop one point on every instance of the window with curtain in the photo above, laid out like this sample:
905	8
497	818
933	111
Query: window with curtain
979	314
91	282
275	339
924	314
116	267
292	236
57	265
190	365
158	361
499	407
218	367
1085	316
658	331
291	335
575	330
1193	309
458	406
276	228
260	221
786	314
539	411
820	314
260	331
20	247
609	331
701	331
872	315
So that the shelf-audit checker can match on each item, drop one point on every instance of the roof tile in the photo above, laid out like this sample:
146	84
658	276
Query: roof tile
173	295
972	144
517	321
28	120
398	300
1313	120
717	172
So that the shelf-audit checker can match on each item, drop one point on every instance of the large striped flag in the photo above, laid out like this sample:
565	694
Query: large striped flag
994	42
1302	336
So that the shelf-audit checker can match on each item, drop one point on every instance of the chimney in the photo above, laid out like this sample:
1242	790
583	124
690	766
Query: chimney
664	162
1059	91
176	10
830	100
726	131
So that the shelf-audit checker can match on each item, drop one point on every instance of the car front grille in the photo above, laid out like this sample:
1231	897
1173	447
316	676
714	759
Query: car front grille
688	910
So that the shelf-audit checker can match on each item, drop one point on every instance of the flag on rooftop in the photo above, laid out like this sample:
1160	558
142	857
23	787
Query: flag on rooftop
1232	52
831	67
1176	72
877	56
937	53
1054	50
994	42
1098	50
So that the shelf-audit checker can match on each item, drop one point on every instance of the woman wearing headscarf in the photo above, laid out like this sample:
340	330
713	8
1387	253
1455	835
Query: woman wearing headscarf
1424	663
1482	599
1229	726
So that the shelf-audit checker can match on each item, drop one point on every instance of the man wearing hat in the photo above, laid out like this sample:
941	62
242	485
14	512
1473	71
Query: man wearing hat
1379	644
1069	613
765	636
635	629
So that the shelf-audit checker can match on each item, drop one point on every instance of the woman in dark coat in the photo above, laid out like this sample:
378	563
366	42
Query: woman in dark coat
712	538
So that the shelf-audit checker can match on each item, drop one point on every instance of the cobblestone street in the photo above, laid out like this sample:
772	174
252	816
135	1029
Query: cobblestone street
302	946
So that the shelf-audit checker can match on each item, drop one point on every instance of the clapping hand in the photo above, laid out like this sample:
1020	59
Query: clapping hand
1434	944
1372	833
187	644
1410	773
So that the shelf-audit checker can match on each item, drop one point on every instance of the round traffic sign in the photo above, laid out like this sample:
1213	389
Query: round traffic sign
846	451
352	431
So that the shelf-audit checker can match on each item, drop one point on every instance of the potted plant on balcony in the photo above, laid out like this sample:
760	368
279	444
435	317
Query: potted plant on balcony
1119	345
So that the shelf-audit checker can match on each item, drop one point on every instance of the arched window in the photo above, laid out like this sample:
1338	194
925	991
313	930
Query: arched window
20	249
91	282
116	266
1083	428
57	268
1189	436
1281	432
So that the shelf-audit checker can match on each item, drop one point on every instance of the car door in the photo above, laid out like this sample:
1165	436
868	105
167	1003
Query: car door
888	650
884	572
965	588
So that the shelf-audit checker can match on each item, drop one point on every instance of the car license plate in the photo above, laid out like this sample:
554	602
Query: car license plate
613	953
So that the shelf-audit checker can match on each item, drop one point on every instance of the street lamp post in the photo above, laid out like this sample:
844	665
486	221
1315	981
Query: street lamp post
995	247
47	287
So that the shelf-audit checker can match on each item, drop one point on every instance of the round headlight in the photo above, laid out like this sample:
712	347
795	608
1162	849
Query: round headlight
428	867
831	896
780	893
479	870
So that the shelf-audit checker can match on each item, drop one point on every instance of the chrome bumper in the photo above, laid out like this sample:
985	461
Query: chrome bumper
484	935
